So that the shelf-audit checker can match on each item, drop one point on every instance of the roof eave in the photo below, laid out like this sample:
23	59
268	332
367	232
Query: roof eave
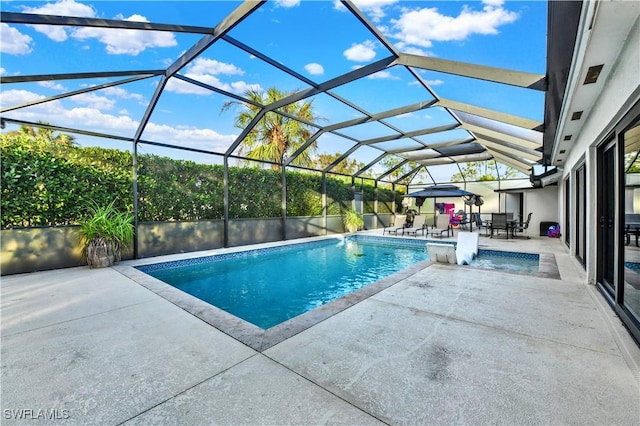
562	27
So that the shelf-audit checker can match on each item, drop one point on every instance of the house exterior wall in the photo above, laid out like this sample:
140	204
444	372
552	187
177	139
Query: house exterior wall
543	204
620	92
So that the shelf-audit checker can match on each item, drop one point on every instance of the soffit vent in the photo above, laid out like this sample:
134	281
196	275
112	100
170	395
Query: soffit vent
593	73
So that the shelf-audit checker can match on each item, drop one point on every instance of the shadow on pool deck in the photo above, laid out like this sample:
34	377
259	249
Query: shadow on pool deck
441	345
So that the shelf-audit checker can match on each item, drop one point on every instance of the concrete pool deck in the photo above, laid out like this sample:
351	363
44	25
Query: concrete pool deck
443	345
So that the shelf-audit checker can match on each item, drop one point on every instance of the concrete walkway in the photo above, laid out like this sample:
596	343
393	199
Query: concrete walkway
447	345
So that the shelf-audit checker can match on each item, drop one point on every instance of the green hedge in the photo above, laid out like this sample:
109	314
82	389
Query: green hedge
44	184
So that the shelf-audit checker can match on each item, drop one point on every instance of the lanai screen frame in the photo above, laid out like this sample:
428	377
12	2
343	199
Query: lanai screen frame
482	144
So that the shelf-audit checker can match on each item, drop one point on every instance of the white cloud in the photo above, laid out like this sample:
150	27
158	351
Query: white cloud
496	3
13	41
17	97
420	27
93	100
361	52
122	93
179	86
117	41
52	85
126	42
314	68
91	118
412	50
189	136
62	8
122	125
241	87
2	71
383	75
373	8
207	71
288	3
211	66
434	82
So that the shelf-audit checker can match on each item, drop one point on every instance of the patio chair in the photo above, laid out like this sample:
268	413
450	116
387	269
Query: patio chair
481	224
442	225
499	223
463	219
523	226
398	224
419	225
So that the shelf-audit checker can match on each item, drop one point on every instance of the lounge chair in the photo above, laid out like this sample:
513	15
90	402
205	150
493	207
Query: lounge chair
398	224
418	226
442	225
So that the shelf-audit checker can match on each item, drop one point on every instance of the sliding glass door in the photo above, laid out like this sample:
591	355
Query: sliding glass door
630	293
607	172
567	211
618	213
580	214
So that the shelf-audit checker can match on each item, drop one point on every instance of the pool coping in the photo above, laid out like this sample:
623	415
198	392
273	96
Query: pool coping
261	339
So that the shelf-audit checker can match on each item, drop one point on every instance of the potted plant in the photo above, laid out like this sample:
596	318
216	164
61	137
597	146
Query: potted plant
352	220
104	233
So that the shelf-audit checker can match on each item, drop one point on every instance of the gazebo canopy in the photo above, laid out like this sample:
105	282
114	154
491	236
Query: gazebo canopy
440	191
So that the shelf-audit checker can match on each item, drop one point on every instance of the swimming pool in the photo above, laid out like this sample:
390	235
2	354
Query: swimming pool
269	286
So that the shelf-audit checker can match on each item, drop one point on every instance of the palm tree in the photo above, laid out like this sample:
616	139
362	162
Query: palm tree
275	136
45	135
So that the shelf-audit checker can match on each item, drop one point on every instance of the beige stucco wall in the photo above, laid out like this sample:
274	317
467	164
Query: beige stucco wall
39	249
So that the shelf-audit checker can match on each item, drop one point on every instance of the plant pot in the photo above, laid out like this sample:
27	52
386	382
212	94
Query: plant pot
101	254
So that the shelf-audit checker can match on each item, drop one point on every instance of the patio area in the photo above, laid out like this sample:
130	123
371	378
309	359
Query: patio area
445	345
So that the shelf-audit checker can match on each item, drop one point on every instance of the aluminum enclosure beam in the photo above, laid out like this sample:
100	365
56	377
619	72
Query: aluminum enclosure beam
76	76
75	92
481	72
492	134
502	117
428	131
39	19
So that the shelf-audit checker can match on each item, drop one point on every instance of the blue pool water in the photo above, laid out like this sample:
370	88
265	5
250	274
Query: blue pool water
268	286
526	263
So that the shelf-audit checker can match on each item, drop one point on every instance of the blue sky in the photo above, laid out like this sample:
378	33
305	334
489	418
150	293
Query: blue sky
318	39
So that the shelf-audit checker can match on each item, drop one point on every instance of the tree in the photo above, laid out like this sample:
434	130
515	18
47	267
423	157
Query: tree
389	162
346	166
477	171
275	136
631	162
44	136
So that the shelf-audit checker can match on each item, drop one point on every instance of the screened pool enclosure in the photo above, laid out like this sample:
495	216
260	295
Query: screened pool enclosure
226	84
